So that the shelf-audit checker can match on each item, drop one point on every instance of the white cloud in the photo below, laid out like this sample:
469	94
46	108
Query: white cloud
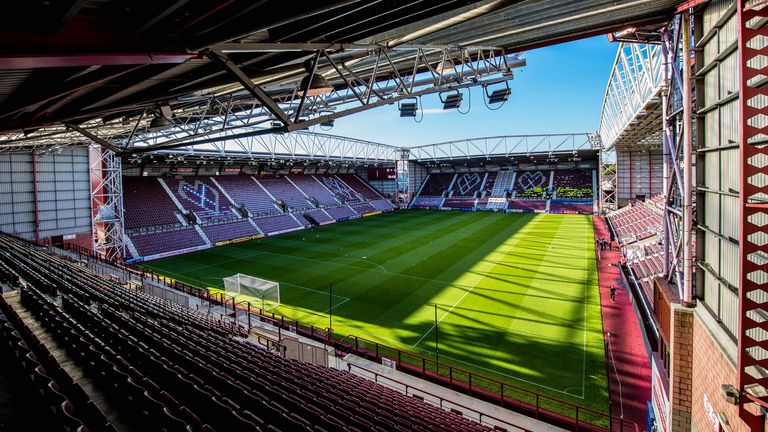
429	111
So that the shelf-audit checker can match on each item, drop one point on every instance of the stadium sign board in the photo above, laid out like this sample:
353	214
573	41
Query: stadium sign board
239	240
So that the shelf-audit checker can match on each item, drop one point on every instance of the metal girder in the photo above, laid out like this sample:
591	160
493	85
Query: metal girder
107	203
34	61
309	46
295	146
677	138
608	184
256	91
505	146
100	141
403	179
382	78
753	240
631	110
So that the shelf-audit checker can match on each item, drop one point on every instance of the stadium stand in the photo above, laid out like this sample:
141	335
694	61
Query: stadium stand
383	205
644	260
355	183
201	196
634	222
153	226
502	183
459	203
177	369
277	224
573	184
313	188
341	212
244	191
427	202
147	204
319	216
229	231
153	243
437	185
487	187
531	184
340	190
467	184
282	189
363	208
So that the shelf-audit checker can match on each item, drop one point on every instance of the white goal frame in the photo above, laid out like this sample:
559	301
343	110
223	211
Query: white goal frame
265	290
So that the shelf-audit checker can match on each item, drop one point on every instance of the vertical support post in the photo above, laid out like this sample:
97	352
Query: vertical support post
437	349
107	203
34	185
402	183
330	306
753	279
687	197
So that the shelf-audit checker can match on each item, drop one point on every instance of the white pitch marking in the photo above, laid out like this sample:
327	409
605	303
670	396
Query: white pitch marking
441	319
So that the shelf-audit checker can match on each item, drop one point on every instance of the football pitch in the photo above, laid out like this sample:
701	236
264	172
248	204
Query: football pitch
516	294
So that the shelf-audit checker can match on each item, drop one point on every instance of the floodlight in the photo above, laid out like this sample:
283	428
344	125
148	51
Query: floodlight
499	95
452	101
159	123
327	123
318	84
408	109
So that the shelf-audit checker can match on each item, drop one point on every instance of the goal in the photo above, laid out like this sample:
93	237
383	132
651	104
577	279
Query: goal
267	293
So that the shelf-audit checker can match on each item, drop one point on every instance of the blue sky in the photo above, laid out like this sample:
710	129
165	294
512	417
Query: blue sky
559	91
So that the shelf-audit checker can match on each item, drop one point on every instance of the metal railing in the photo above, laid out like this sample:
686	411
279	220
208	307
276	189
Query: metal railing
551	410
440	401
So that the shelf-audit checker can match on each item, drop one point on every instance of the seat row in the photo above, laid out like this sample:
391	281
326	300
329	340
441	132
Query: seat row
56	390
185	372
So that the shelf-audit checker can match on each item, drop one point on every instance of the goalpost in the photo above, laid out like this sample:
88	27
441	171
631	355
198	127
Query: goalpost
266	291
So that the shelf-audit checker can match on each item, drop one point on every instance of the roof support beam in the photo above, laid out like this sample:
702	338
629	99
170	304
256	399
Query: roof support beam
256	91
34	61
100	141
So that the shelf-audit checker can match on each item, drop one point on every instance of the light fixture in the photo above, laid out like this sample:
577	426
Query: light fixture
499	95
161	119
452	101
626	32
407	109
318	84
327	123
159	123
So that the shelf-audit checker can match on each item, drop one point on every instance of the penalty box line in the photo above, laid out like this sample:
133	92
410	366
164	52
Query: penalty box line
443	317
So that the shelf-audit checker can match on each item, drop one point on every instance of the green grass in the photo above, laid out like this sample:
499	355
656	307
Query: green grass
517	294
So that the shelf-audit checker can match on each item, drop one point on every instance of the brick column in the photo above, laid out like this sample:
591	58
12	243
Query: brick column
680	377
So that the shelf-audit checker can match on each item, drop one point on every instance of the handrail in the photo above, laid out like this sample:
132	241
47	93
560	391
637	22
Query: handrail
469	386
541	405
407	386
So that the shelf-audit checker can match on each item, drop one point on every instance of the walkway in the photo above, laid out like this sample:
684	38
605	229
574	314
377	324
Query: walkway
629	367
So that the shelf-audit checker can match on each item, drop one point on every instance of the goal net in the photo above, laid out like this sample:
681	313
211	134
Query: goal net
266	293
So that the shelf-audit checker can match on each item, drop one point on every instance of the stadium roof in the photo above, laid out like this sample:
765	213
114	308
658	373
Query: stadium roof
115	71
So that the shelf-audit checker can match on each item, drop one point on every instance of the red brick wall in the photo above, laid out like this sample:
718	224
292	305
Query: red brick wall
82	240
711	369
681	374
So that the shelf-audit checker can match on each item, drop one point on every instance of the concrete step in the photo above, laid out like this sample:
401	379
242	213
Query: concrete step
118	418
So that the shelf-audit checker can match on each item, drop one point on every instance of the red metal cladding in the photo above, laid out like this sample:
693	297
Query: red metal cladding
753	296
